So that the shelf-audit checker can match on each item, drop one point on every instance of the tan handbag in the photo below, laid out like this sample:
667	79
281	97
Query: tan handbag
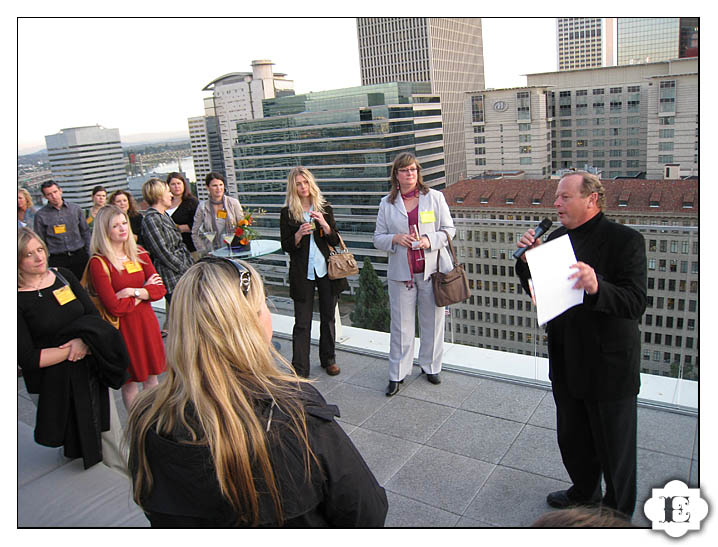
452	287
341	263
86	282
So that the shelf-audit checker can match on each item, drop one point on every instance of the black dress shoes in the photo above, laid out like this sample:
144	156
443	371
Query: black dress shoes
393	388
561	499
433	378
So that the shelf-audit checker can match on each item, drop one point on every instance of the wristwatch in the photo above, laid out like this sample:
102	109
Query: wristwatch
137	293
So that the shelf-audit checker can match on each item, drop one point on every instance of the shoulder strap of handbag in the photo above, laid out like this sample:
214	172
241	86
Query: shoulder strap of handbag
451	248
342	246
86	280
60	276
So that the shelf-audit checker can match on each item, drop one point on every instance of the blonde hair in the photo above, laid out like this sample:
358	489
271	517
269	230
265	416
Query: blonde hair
153	190
100	243
220	366
26	195
294	203
24	236
590	183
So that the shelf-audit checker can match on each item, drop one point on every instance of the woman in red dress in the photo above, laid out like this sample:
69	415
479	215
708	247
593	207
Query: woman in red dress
126	282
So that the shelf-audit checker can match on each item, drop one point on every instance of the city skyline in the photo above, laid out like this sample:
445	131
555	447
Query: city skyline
117	92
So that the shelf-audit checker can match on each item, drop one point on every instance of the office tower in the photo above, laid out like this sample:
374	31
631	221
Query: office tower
206	146
236	96
584	42
84	157
623	121
491	215
448	52
348	139
651	39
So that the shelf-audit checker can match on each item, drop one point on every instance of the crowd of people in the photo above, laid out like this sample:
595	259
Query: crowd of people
235	435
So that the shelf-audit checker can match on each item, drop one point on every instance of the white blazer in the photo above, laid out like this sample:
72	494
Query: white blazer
393	219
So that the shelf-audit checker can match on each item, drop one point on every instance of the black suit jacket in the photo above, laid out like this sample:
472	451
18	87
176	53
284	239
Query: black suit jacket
299	286
594	348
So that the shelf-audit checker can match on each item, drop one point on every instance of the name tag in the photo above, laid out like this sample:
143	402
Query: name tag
426	217
132	267
221	213
59	228
64	295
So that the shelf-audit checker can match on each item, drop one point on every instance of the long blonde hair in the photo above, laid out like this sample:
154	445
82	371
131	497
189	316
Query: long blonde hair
220	366
100	243
296	211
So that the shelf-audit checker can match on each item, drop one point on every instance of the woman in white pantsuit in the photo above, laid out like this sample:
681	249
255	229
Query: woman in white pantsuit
409	226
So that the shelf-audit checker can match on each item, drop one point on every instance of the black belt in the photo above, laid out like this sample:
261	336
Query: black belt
69	253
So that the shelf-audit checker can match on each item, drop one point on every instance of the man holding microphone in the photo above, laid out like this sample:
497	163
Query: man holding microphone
594	348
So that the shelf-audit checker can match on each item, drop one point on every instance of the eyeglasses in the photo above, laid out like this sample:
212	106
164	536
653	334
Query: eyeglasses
407	170
245	275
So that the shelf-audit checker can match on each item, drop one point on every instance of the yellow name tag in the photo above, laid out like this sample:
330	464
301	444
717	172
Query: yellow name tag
221	214
59	228
64	295
132	267
427	216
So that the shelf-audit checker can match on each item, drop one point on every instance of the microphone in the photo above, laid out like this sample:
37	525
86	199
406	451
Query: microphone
541	229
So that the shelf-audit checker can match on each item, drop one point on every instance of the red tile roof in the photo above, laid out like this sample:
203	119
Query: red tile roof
671	195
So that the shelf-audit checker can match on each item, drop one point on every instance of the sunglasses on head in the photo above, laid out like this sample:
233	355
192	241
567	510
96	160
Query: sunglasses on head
245	275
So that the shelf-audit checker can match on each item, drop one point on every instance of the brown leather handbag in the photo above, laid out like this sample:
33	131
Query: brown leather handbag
86	282
451	287
341	263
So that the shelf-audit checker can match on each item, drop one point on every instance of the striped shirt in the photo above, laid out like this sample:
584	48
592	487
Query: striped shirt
163	240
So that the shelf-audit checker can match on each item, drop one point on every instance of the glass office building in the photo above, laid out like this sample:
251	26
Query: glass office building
653	39
348	139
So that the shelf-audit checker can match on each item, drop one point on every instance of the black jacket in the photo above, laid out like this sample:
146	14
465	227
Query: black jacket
594	348
342	491
299	286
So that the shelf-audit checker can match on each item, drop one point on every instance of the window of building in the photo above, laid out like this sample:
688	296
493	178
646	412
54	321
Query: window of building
477	108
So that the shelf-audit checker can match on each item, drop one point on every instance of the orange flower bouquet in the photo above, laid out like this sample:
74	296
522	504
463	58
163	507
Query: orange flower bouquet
245	232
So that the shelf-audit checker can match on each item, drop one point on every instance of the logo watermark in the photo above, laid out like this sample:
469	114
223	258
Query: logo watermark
676	509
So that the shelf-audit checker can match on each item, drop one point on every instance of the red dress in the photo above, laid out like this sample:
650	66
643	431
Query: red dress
138	323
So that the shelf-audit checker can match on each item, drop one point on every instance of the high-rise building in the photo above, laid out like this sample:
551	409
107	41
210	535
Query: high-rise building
651	39
491	215
348	139
236	96
206	146
584	42
84	157
448	52
623	121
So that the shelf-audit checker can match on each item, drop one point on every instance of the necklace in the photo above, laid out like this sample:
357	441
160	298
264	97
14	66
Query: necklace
37	287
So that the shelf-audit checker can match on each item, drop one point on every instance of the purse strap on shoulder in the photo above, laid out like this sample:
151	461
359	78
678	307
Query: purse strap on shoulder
342	246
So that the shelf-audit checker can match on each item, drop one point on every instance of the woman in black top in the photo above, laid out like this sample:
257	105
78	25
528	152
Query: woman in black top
67	353
232	436
127	204
183	207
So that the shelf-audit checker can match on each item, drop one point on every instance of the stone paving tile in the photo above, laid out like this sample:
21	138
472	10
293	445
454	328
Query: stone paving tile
441	479
475	435
465	522
511	497
666	432
655	470
504	400
356	403
384	454
452	391
536	451
545	413
405	512
409	419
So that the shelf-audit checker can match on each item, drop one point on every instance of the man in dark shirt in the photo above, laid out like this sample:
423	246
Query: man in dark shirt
594	348
63	228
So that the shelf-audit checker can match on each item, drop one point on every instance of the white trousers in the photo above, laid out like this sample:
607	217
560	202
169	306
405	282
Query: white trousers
404	303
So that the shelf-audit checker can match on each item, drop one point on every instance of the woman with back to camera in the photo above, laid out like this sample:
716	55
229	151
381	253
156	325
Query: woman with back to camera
307	228
25	209
232	436
126	282
127	205
68	354
184	205
162	238
218	215
412	225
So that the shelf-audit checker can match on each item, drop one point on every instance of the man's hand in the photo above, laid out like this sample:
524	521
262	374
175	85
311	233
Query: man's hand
585	277
528	240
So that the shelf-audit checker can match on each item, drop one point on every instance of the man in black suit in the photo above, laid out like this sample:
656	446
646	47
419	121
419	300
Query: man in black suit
594	348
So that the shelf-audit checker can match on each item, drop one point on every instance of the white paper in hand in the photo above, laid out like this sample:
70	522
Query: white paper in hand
550	266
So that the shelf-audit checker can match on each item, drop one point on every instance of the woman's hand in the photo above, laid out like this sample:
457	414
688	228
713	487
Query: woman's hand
319	217
127	292
78	349
424	242
405	240
304	229
154	279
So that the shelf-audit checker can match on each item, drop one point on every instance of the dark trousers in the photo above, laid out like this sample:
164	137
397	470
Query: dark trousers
598	438
74	261
303	326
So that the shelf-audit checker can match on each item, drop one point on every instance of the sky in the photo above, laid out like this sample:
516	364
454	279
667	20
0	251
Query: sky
145	75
